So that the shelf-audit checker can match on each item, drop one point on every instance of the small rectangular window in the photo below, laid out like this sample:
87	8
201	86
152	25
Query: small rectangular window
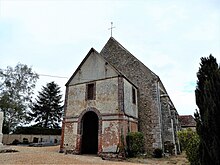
133	96
91	91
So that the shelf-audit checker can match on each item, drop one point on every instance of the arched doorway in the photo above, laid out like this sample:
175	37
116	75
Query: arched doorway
89	133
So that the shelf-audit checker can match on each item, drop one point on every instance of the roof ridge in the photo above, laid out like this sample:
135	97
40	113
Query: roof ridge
118	43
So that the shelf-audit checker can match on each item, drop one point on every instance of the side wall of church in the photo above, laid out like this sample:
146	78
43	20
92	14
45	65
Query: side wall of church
170	124
167	120
150	113
146	82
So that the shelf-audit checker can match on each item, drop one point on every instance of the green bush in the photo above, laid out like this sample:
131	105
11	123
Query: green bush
192	149
189	141
184	136
158	153
135	143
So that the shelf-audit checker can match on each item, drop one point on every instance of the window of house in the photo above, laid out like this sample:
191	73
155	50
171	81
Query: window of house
91	91
133	96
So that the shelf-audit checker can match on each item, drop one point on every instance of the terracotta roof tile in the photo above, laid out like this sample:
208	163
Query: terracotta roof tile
187	121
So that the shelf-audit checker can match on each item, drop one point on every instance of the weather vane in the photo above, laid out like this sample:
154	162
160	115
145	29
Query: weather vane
111	28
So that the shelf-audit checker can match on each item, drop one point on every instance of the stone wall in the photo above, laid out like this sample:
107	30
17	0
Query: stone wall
130	108
170	123
146	81
167	118
9	138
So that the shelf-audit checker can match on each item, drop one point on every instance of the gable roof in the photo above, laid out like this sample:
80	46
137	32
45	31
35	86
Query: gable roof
119	57
187	121
92	50
88	54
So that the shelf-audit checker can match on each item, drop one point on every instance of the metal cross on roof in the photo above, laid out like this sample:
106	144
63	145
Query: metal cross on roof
111	28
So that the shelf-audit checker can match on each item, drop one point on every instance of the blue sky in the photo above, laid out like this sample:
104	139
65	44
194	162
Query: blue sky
169	37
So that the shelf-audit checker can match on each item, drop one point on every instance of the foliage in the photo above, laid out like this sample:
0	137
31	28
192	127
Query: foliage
158	153
135	143
192	149
207	117
37	131
47	110
184	136
16	90
189	141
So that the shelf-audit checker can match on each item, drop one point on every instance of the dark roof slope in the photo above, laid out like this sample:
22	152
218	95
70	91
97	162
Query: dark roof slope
187	121
125	62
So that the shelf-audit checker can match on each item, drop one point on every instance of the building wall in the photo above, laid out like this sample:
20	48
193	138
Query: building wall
130	108
1	124
170	123
167	125
9	138
70	138
113	122
106	98
177	127
110	135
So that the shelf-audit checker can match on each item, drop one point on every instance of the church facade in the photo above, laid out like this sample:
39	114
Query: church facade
110	94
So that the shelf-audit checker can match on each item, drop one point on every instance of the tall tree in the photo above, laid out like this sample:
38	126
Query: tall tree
47	111
208	116
16	90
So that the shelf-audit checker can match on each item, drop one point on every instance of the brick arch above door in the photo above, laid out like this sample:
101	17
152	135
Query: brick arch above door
83	113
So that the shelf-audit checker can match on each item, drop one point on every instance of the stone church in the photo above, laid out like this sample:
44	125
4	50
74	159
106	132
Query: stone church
110	94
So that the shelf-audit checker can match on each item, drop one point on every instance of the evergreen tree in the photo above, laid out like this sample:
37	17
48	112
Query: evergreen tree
208	117
47	111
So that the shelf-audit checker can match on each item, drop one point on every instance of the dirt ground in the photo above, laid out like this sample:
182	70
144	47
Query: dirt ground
50	155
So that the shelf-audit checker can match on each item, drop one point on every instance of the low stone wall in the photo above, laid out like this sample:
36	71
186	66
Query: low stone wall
9	138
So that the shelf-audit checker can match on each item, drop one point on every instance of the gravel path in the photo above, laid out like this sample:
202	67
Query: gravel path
49	155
